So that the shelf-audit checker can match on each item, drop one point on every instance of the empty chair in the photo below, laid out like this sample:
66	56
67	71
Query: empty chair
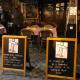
29	34
52	28
44	34
30	39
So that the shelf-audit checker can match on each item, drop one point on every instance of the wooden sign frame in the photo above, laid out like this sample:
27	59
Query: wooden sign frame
75	55
25	43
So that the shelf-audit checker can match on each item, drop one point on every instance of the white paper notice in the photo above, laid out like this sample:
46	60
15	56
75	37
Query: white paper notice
61	50
13	46
73	10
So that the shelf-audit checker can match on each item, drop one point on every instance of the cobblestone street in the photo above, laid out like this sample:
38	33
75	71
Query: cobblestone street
38	73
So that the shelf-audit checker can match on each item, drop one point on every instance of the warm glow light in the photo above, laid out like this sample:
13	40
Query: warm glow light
73	10
47	13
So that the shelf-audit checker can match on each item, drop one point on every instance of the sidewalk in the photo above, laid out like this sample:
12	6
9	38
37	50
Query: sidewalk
38	73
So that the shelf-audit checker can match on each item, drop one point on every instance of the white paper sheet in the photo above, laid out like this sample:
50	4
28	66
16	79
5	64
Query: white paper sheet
61	50
13	46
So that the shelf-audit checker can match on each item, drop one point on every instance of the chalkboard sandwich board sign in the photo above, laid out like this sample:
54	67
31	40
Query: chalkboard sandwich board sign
61	58
14	53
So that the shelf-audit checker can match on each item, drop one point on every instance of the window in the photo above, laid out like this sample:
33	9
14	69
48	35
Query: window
59	10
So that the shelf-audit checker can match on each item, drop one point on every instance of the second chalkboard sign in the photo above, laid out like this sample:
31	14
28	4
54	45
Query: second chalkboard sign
61	58
14	52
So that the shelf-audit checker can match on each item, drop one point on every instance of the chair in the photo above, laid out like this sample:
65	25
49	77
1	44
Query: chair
29	34
44	34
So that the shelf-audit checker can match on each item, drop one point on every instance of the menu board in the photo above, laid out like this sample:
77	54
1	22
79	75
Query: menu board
61	57
14	52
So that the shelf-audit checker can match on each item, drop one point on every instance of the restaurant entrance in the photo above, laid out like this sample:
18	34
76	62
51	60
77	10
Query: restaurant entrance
38	20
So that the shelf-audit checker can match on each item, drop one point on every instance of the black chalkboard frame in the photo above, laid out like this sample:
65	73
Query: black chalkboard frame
75	57
25	42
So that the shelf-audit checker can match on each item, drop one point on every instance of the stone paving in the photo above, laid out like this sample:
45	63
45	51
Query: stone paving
38	73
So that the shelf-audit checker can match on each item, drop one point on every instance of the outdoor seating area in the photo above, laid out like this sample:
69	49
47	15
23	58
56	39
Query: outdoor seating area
39	40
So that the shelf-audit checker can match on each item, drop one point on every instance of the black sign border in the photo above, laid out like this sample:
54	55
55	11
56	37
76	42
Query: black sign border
75	56
17	37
